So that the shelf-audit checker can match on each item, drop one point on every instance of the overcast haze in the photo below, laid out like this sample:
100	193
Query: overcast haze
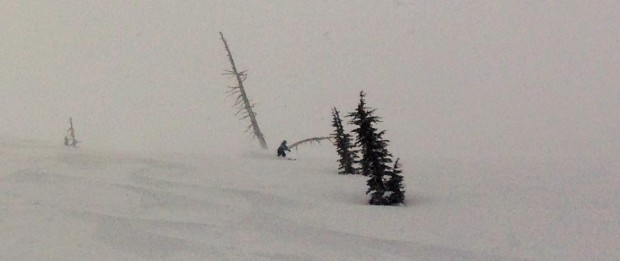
449	78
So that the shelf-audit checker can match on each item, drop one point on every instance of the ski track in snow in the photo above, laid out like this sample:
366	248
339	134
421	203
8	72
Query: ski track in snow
58	204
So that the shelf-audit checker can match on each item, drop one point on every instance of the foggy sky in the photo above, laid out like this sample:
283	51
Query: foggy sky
449	78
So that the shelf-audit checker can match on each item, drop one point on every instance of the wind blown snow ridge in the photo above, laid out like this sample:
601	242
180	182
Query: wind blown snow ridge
65	204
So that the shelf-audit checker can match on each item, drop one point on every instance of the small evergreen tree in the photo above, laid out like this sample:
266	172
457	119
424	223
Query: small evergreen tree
366	133
384	183
343	144
393	191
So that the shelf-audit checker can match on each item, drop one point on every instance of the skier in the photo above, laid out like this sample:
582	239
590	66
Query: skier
282	149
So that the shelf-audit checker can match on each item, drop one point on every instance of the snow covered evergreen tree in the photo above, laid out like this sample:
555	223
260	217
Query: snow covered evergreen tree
384	183
394	192
343	143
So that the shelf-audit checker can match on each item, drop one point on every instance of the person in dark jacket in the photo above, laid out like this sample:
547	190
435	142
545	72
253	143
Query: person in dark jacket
282	149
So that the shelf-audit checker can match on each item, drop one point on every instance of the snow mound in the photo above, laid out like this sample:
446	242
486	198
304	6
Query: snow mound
73	204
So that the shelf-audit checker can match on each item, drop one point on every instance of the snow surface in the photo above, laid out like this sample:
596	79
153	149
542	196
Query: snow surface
504	114
59	203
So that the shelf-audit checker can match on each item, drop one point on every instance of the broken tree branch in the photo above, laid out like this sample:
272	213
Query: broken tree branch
310	140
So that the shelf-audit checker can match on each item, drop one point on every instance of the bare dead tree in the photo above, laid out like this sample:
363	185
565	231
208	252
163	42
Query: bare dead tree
242	103
310	140
70	140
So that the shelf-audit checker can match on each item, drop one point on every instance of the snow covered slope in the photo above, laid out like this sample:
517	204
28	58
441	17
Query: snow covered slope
63	204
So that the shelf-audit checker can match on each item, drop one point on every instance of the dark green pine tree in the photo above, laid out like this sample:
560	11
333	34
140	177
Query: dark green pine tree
343	145
366	133
384	183
394	191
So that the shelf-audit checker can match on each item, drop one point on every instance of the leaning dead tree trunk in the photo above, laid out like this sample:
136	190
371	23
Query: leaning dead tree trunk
310	140
245	109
